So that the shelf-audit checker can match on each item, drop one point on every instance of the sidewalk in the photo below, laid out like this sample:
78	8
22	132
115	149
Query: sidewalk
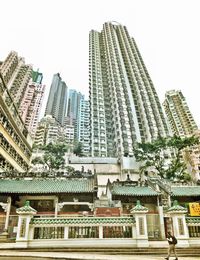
85	256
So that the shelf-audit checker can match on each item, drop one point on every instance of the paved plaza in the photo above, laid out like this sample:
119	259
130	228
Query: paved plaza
84	256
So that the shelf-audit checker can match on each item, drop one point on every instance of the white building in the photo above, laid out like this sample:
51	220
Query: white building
68	133
83	126
48	131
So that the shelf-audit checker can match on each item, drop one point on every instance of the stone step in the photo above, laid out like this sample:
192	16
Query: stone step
122	251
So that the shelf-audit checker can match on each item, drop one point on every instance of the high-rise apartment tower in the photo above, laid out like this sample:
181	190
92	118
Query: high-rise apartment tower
179	116
74	110
83	126
16	75
32	101
182	124
57	100
15	141
124	106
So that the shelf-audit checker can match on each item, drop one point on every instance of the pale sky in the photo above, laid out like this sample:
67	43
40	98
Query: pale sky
53	35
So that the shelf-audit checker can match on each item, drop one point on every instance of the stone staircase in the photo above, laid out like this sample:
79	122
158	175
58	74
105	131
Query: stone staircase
191	251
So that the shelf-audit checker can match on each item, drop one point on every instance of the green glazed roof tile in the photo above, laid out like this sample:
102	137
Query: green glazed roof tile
177	208
47	186
185	191
193	220
83	220
139	208
26	209
133	190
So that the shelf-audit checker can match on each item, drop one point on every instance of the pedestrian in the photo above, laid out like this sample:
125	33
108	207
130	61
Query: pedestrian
172	245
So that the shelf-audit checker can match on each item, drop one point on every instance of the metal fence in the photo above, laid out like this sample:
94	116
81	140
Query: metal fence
193	224
48	232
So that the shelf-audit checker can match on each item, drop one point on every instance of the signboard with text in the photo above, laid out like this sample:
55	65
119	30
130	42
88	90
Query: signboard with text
194	209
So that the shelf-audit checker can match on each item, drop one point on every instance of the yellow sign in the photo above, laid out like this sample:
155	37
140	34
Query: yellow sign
194	209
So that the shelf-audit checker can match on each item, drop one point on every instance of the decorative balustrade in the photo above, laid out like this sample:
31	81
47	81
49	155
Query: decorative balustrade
193	224
49	233
82	227
56	230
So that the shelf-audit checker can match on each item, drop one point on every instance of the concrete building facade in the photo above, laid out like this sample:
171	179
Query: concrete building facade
74	110
16	75
32	101
57	100
73	103
25	88
48	131
124	106
15	141
183	124
178	113
83	126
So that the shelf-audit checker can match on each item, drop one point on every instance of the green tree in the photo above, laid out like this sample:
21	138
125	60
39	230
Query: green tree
53	156
70	170
164	155
78	149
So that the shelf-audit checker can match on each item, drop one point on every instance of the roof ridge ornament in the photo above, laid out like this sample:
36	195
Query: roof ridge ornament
26	209
139	208
176	208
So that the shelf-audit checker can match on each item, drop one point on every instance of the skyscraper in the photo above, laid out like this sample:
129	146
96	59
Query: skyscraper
182	124
32	101
15	141
179	116
16	75
73	109
57	100
83	125
124	106
74	103
24	86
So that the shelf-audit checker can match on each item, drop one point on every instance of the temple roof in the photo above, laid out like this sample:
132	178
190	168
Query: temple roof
26	209
139	208
47	186
177	208
185	191
130	190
